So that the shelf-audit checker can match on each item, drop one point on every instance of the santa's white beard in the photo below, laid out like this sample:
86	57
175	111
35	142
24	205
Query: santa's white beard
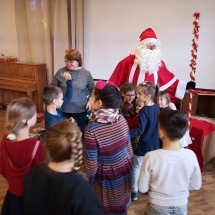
148	60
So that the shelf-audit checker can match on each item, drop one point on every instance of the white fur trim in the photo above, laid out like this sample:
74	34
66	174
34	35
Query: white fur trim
185	140
133	68
150	41
180	90
168	84
155	77
172	106
141	78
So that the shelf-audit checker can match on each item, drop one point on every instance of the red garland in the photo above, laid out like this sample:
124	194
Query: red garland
194	45
193	64
197	15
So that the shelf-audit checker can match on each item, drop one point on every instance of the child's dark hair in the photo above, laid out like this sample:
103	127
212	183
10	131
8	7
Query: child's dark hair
150	89
174	123
165	95
109	95
63	142
126	87
49	93
18	112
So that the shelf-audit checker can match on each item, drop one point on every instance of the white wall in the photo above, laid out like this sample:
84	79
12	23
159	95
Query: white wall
113	26
8	34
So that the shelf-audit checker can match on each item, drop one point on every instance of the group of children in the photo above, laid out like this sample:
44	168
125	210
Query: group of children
115	171
146	124
41	176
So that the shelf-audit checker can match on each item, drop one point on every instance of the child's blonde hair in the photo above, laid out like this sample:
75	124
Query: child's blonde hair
63	142
165	95
150	89
18	112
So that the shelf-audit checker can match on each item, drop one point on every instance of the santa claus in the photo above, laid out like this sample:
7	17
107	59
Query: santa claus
145	64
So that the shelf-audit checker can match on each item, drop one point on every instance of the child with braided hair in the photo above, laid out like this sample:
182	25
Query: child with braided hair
56	188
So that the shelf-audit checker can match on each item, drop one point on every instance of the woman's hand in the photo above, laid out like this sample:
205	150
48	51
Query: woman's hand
66	75
88	106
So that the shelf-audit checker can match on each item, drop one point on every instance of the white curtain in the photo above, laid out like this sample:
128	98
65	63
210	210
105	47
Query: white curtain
44	31
76	21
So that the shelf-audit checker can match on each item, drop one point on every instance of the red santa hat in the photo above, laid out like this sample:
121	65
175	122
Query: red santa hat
148	36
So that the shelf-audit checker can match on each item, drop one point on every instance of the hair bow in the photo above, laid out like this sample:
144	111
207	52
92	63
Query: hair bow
101	84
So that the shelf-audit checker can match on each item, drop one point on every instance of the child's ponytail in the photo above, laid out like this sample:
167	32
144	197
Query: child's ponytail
19	111
150	89
156	92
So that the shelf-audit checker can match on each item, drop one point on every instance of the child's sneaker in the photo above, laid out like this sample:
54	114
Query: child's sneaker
134	196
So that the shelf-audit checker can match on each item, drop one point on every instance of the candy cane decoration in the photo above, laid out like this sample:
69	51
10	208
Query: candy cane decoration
190	102
193	62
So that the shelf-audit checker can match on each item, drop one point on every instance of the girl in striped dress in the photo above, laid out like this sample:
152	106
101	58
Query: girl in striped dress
108	153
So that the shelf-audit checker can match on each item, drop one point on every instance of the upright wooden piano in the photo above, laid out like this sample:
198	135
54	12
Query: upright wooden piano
22	80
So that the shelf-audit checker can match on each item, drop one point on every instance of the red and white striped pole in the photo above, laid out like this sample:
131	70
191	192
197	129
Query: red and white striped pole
193	61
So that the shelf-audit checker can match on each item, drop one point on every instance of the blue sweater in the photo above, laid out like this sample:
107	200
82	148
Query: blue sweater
147	129
51	119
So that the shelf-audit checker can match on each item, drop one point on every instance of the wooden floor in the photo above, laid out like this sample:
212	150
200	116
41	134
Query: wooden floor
201	202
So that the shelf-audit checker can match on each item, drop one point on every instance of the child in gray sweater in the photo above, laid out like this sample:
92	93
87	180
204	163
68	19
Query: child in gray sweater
169	173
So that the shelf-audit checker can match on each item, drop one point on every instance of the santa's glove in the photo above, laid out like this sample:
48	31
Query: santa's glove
191	85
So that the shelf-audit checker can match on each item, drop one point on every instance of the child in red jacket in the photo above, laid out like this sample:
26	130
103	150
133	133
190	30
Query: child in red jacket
18	153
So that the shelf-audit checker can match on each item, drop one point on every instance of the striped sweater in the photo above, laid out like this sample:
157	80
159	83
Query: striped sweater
108	162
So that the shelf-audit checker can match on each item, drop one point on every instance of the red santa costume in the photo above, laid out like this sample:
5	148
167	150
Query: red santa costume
144	64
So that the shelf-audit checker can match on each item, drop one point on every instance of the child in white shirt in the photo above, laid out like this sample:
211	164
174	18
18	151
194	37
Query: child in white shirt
169	173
